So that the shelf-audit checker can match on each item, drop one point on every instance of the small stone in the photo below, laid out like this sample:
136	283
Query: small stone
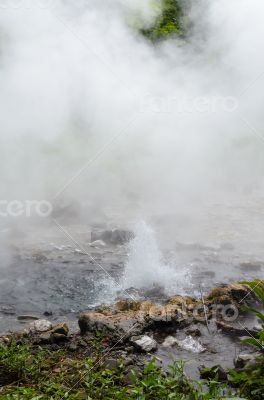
170	341
73	347
47	313
44	338
111	363
58	337
144	343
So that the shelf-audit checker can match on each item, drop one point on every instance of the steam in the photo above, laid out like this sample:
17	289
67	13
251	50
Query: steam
172	125
145	267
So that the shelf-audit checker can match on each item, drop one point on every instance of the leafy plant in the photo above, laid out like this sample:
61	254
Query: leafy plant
168	23
250	380
257	287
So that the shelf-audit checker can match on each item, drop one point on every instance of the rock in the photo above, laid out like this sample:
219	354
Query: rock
131	371
195	332
119	324
243	359
217	372
72	347
127	305
44	338
144	343
192	345
114	237
231	294
27	318
234	330
111	363
133	318
61	329
170	341
42	325
58	338
47	313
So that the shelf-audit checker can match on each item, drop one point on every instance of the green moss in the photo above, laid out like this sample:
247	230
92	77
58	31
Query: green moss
168	23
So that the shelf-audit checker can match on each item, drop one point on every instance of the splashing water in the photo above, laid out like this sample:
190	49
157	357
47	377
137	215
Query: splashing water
145	269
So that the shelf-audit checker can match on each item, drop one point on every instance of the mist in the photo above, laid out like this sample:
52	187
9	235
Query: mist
93	113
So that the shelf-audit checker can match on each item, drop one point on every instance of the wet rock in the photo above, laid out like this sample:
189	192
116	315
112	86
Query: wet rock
234	330
217	372
231	294
243	359
42	325
27	318
119	324
170	341
190	344
7	310
144	343
114	237
47	313
61	329
137	316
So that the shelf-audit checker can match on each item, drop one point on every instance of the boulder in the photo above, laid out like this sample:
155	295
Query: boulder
130	317
144	343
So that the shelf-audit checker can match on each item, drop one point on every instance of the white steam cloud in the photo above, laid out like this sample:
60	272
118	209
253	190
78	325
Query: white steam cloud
170	125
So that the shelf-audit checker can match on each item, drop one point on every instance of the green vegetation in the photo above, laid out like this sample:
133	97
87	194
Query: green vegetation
250	380
258	287
168	23
37	374
30	372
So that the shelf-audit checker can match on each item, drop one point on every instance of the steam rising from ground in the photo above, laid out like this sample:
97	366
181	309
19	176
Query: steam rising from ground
172	125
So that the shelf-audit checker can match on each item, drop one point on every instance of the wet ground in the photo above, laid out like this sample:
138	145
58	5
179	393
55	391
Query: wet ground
48	270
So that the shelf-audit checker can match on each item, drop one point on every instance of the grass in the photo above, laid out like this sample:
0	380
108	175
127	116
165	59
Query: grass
38	374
